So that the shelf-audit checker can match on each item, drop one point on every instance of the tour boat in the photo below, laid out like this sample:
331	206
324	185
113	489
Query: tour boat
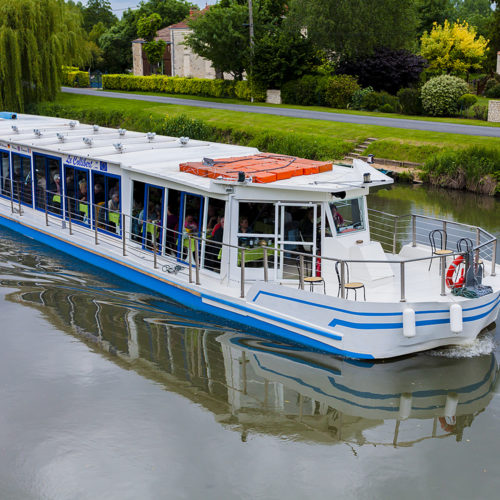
276	243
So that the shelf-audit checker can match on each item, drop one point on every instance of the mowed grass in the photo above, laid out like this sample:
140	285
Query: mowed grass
462	121
397	144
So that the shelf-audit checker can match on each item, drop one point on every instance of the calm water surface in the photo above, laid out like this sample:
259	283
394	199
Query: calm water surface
109	392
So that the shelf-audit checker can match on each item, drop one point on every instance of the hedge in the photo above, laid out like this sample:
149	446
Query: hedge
189	86
75	78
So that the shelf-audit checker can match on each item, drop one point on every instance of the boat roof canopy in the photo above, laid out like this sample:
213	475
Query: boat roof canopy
182	160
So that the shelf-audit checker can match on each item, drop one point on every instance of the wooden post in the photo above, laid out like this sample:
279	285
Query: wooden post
123	235
190	258
414	230
266	266
242	267
342	279
197	261
154	246
301	272
403	299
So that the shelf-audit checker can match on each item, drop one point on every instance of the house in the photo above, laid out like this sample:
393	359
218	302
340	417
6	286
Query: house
178	59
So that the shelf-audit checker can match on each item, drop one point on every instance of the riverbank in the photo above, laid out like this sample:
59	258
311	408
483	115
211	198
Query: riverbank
309	138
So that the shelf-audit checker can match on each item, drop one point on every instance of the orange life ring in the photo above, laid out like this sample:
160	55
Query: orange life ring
455	275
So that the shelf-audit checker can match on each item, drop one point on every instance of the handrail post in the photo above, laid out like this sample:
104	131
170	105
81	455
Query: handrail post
443	275
242	267
154	246
46	212
266	266
342	279
95	226
414	230
394	236
494	258
123	236
69	218
478	242
11	198
301	272
197	261
19	199
403	299
190	258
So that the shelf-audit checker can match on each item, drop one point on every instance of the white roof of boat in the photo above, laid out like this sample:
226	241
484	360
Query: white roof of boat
160	156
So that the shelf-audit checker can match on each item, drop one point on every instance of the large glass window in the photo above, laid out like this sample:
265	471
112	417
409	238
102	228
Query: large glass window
4	174
107	202
48	184
22	179
214	233
77	194
348	215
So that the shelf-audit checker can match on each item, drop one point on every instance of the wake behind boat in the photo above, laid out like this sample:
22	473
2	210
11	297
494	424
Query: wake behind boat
274	242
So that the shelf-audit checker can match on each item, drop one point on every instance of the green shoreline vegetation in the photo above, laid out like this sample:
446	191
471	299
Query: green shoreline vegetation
308	138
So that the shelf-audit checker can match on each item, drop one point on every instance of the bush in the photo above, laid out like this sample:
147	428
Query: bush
378	100
491	82
386	69
309	90
475	168
190	86
339	90
493	91
480	112
440	95
466	101
359	96
75	78
410	101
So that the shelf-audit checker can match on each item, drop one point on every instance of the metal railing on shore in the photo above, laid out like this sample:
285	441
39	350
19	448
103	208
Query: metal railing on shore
189	253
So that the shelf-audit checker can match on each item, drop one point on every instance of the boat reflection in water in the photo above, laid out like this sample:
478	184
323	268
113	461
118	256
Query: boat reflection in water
259	385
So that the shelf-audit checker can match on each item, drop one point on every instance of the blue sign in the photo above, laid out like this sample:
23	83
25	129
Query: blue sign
103	166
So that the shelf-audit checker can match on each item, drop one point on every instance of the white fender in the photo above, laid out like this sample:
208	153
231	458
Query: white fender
456	318
409	327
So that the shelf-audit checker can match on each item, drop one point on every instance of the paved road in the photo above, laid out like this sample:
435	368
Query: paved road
430	126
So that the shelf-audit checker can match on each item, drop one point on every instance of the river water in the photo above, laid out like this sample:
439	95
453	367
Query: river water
110	392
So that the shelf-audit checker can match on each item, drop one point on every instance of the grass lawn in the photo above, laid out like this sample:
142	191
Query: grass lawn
463	121
398	144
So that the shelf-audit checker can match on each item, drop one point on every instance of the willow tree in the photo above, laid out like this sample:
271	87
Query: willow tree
36	38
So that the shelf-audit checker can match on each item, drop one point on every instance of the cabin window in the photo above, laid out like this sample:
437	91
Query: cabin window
4	174
214	234
107	202
348	215
191	223
48	184
77	194
256	228
172	221
22	179
147	213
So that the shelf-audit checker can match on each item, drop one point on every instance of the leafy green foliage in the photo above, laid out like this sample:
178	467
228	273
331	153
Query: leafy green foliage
309	90
359	96
147	26
339	90
433	11
480	112
410	101
440	95
353	28
190	86
98	11
380	101
493	91
466	101
73	77
220	36
36	39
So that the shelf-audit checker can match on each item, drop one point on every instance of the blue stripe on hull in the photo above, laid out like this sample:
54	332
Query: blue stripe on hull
190	299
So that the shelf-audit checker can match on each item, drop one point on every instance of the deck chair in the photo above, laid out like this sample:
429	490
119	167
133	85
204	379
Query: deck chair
438	239
308	278
348	285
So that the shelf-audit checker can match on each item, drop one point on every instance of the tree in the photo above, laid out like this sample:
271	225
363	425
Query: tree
385	69
221	36
170	11
98	11
36	38
433	11
281	56
147	27
453	49
354	28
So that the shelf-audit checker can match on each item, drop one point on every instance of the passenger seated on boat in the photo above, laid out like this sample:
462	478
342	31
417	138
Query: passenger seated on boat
114	213
41	186
83	207
244	228
190	224
55	190
98	194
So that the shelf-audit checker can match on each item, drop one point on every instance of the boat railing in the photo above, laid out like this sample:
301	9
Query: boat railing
192	254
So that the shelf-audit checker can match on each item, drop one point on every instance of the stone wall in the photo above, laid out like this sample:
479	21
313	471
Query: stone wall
138	66
494	111
185	62
273	97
